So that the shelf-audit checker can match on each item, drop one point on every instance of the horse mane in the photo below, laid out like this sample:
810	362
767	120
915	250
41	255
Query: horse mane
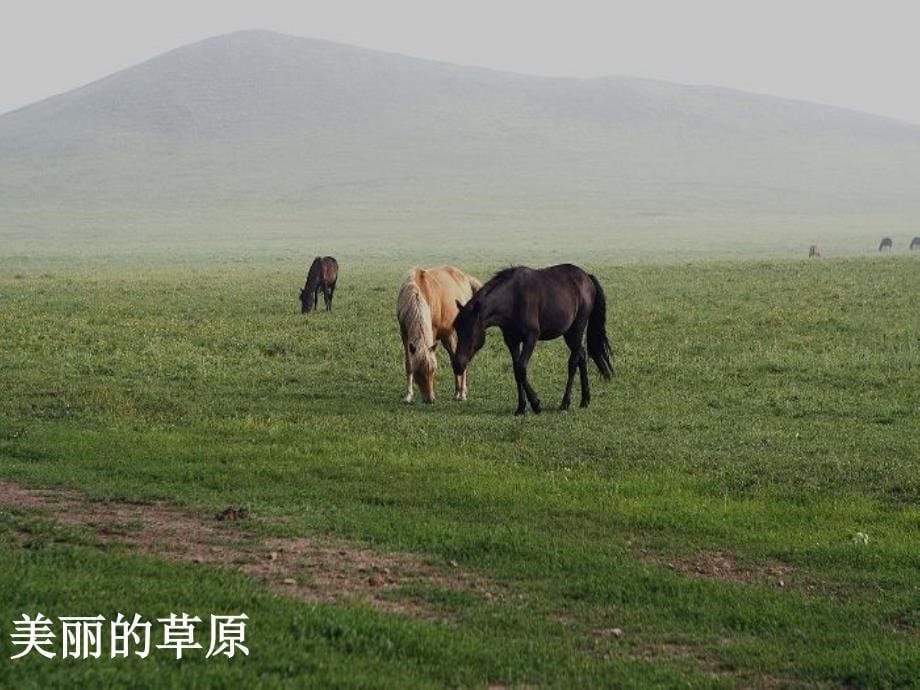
500	278
313	273
504	274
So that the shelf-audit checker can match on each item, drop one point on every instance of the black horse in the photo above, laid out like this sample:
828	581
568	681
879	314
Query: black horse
323	274
915	243
530	305
886	243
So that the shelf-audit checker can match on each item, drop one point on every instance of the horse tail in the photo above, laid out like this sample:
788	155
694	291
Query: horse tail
598	345
414	315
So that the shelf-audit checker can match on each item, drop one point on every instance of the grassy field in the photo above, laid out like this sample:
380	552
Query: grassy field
696	526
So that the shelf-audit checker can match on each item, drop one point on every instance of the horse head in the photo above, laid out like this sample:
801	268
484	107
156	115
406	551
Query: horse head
471	334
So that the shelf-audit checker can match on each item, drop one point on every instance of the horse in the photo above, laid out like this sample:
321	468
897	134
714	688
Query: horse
915	243
323	274
530	305
886	243
813	251
426	307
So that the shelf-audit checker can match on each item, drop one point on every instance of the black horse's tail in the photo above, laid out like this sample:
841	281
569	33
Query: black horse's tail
598	345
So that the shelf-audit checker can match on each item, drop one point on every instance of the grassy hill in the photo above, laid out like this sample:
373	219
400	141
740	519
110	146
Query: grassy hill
265	138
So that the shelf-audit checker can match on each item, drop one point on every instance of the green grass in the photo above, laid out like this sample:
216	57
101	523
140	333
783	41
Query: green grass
768	410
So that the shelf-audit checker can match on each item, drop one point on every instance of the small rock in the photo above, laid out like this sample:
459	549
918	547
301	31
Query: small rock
453	564
861	538
781	583
289	581
273	555
616	632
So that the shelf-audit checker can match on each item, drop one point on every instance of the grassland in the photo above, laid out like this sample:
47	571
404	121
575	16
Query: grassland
706	504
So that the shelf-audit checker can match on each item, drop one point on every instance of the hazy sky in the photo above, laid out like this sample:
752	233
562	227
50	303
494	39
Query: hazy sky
857	54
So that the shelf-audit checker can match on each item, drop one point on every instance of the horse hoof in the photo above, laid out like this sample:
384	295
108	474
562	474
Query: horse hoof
537	407
520	412
585	403
565	405
407	400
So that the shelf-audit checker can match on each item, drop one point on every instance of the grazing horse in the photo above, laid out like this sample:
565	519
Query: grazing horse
323	274
528	306
813	251
915	243
886	243
426	308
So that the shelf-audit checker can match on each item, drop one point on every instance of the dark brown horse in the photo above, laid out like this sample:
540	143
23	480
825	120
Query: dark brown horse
886	243
528	306
813	251
323	274
915	243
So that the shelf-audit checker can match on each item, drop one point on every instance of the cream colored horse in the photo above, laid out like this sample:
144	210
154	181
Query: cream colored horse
426	309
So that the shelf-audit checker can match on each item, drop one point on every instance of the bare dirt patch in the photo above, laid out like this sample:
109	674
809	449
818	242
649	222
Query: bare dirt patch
314	569
710	664
726	567
678	651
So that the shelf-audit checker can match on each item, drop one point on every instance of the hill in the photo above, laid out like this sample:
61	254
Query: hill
267	137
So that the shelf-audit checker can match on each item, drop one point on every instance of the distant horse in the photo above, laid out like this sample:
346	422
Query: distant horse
886	243
528	306
426	307
323	274
813	251
915	243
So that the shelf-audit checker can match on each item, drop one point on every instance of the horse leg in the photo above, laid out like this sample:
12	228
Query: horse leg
327	297
578	358
331	293
316	298
574	358
514	347
583	374
409	388
450	344
463	389
530	342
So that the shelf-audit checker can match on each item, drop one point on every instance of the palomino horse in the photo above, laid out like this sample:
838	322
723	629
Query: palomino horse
323	273
886	243
530	305
915	243
813	251
426	308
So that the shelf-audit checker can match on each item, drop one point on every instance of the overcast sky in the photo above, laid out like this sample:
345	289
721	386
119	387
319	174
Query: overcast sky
857	54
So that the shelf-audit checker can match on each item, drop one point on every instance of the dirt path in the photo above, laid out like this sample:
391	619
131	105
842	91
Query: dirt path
310	568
